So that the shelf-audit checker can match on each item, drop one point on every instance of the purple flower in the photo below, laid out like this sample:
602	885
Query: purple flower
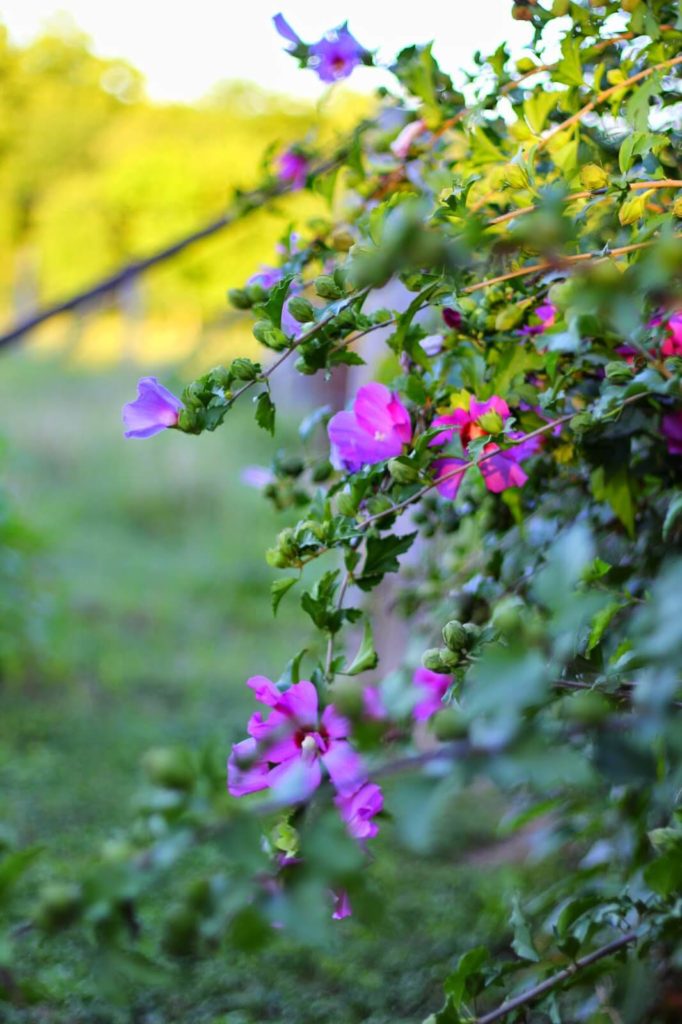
287	751
377	428
452	318
266	277
433	687
672	346
433	344
402	144
671	425
479	419
155	409
546	314
342	907
336	54
257	476
292	167
358	810
286	31
372	704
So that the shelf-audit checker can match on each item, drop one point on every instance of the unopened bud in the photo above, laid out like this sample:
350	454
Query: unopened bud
593	177
239	298
455	635
301	309
327	288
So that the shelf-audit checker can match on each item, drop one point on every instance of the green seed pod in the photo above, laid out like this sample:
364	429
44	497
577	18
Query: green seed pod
301	309
170	767
433	660
508	615
239	298
455	636
59	906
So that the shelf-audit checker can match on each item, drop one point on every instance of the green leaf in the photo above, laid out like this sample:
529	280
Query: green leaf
569	69
601	622
367	657
536	108
522	943
468	968
672	516
13	866
382	557
276	298
614	486
265	412
279	588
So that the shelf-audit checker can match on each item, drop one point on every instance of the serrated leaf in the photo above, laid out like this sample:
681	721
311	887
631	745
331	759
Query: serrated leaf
456	984
265	412
614	486
382	557
279	588
522	943
569	69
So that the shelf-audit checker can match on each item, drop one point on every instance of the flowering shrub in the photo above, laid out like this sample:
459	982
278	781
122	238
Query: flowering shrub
512	466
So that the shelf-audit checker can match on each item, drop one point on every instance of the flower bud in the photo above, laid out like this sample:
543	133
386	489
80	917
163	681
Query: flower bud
593	177
508	615
327	288
269	335
170	767
586	708
256	293
450	724
618	373
560	8
342	238
322	471
491	422
455	635
439	659
239	298
291	465
524	65
452	318
60	905
301	309
244	369
403	471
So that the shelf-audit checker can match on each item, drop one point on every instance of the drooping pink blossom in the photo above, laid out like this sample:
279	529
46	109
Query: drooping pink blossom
155	409
474	420
378	427
287	751
292	167
432	687
672	346
402	143
671	425
358	809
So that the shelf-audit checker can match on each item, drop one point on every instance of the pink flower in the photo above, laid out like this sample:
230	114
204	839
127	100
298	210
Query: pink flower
499	471
155	409
377	428
671	425
292	167
672	346
372	704
452	318
257	476
266	277
433	687
286	751
402	144
342	907
546	314
358	810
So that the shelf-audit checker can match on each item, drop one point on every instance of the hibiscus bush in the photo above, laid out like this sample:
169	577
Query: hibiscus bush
499	282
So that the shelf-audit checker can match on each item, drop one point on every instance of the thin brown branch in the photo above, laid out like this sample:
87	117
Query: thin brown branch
634	186
532	994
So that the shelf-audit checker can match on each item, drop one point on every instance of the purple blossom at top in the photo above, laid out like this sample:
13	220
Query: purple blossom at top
287	750
378	427
432	686
155	409
292	167
479	419
671	425
286	31
336	55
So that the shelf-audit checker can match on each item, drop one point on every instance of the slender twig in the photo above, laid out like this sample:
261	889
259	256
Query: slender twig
634	186
605	94
560	261
557	979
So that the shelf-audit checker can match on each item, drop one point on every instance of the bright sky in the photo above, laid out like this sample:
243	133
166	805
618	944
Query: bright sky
185	48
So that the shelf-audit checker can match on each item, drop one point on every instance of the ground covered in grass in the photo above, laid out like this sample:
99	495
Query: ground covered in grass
155	598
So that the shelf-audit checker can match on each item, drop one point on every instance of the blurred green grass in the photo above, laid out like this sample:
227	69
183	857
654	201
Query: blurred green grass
153	557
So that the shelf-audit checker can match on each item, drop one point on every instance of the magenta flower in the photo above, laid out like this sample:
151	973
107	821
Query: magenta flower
286	31
402	143
266	277
292	167
287	751
342	907
378	427
155	409
336	55
372	704
672	346
433	687
358	809
479	419
546	314
452	318
671	425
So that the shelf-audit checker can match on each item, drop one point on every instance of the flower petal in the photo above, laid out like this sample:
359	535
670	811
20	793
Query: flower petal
448	480
246	772
296	779
345	766
155	409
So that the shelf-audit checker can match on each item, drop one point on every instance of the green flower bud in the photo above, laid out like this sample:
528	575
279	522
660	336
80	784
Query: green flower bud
327	288
560	8
322	471
239	298
593	177
291	465
59	906
455	635
588	707
244	369
508	615
342	238
256	293
450	724
403	471
524	65
508	318
439	659
619	373
491	421
301	309
170	767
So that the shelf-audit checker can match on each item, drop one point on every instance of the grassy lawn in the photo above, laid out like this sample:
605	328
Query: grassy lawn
153	564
